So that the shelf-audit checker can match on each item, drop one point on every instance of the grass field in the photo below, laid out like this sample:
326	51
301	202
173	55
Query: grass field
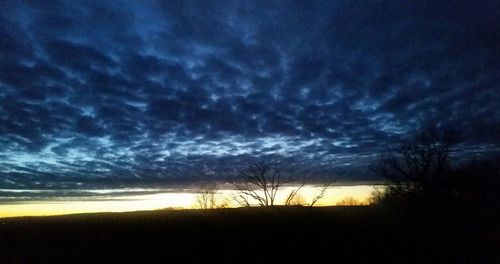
341	234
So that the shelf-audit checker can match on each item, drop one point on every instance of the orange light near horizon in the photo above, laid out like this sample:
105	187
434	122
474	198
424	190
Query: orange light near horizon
181	200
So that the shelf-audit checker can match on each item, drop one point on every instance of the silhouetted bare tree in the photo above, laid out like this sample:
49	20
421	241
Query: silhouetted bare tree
350	201
208	198
260	183
377	195
419	166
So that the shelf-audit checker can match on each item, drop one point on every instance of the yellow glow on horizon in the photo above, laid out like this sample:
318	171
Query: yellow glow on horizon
334	194
181	200
118	204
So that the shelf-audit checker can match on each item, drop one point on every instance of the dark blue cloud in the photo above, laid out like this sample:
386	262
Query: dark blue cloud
97	93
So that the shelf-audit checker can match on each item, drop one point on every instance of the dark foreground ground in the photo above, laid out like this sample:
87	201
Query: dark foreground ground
340	234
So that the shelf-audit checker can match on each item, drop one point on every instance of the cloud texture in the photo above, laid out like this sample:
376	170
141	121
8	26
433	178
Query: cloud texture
108	92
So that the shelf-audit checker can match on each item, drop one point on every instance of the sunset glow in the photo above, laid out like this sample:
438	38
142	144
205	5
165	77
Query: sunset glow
160	200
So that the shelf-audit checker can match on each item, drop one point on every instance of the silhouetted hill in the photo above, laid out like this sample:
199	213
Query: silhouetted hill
354	234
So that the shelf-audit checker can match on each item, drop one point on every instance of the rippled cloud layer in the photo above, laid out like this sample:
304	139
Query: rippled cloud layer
98	92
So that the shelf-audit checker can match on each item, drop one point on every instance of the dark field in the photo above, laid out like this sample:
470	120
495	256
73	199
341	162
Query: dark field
340	234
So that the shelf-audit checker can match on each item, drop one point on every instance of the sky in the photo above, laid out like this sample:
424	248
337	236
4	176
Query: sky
128	93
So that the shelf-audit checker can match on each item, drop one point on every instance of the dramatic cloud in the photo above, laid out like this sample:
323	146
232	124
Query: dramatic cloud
102	93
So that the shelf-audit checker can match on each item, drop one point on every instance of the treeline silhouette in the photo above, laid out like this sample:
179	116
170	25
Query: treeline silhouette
424	171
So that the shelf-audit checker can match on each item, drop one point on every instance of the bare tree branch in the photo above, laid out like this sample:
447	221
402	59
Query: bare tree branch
293	194
321	194
259	183
209	197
